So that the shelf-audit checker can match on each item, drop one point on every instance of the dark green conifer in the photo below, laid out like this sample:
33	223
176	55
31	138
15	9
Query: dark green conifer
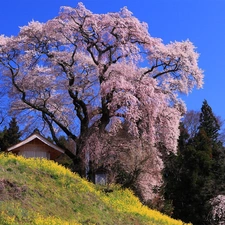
209	122
10	136
196	174
13	134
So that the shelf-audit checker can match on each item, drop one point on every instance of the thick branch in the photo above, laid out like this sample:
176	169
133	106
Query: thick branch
55	139
81	110
41	109
80	106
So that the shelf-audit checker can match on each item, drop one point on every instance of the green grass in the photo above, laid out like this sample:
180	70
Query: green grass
38	191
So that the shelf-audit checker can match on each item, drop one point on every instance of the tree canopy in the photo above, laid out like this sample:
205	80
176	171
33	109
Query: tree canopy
85	74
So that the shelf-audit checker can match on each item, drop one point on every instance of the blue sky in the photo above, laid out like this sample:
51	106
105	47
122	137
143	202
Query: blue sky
200	21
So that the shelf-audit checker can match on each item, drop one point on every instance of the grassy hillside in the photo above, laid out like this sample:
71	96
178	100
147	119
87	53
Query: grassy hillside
38	191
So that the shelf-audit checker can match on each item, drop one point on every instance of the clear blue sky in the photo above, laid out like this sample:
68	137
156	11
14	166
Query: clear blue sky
200	21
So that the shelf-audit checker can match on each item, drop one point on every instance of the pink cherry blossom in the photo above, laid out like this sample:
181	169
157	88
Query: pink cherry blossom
86	74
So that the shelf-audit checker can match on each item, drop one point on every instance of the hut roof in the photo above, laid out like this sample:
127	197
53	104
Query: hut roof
36	136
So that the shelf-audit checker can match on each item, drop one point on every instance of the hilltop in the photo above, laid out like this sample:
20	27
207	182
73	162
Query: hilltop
39	191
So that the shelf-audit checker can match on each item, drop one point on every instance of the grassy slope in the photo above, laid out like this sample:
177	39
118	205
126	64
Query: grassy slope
37	191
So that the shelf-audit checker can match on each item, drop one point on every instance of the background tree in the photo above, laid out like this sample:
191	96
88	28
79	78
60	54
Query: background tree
10	136
80	73
195	175
3	141
217	213
190	122
209	123
13	132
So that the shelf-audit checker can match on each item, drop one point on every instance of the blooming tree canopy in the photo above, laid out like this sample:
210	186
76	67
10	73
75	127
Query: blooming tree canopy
81	70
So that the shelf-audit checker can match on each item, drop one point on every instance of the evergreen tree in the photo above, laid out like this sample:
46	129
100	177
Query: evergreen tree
3	140
13	133
209	122
187	175
10	136
195	175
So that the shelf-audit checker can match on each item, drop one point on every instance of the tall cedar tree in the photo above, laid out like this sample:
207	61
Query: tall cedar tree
195	175
209	122
10	136
186	175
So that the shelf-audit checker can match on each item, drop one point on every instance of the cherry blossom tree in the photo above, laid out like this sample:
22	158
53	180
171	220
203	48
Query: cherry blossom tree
85	74
217	214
